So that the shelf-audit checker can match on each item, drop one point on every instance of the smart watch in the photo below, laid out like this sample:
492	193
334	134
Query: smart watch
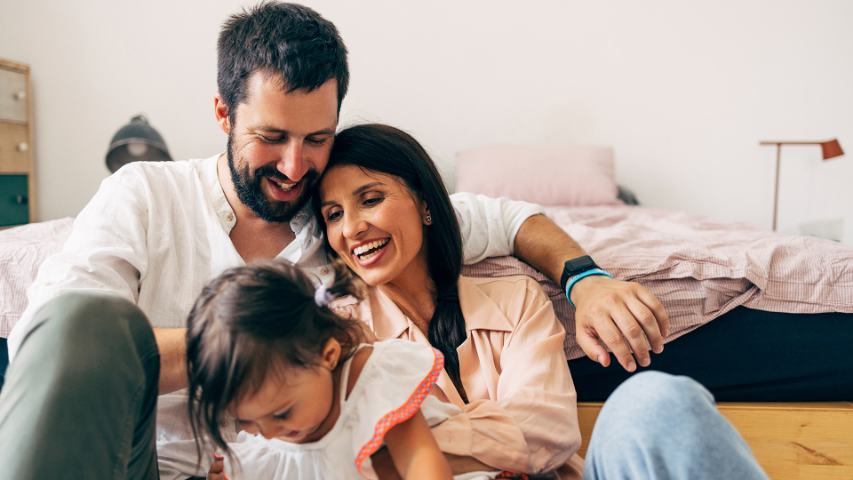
576	269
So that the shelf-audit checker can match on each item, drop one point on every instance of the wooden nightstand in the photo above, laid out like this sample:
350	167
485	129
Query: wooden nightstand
17	172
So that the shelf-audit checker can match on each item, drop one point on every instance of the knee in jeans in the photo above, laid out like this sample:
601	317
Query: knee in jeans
662	389
648	405
84	314
90	338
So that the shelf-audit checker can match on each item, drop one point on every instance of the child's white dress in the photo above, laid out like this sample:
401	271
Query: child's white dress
393	384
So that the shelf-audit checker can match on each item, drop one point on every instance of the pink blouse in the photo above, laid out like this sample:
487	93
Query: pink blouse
522	415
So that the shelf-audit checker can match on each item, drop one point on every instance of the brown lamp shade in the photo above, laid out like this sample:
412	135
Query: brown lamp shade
831	149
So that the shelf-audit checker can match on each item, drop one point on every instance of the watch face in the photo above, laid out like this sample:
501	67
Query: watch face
578	265
583	263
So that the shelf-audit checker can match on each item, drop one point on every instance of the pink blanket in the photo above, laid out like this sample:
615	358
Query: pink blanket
700	269
22	249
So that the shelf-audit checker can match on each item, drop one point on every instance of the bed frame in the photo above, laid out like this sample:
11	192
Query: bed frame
791	441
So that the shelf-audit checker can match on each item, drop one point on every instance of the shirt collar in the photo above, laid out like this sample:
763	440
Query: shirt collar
480	311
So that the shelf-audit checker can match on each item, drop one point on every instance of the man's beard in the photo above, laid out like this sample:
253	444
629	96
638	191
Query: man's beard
249	191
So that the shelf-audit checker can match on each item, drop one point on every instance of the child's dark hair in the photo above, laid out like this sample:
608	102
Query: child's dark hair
248	323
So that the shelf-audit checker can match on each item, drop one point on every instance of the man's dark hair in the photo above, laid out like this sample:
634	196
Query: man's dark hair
286	40
388	150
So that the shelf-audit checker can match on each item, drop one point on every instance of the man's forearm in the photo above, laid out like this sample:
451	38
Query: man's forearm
172	343
545	246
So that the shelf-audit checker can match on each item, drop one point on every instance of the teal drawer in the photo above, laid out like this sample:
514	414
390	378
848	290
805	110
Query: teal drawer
14	196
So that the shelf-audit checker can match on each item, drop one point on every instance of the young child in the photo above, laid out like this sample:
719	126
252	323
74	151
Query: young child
311	397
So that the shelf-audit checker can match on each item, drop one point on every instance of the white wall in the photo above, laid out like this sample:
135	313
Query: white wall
682	90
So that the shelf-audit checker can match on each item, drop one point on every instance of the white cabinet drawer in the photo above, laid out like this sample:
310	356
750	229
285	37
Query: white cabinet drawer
13	96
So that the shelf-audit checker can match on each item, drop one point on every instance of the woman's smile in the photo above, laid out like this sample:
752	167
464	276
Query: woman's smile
369	253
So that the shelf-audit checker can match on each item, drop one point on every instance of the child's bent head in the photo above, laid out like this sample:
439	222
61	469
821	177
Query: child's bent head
253	331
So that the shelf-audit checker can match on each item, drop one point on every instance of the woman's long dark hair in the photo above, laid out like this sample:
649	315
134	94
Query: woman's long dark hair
252	321
388	150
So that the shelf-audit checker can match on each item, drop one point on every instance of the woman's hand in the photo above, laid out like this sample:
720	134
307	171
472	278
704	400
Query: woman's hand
217	469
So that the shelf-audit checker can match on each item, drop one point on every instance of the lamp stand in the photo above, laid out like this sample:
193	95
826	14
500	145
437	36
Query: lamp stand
829	148
776	187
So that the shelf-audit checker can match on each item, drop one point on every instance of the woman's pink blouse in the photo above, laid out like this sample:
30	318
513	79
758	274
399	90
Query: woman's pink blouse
522	410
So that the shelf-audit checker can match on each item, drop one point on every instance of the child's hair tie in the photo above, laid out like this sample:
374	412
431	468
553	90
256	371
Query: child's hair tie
322	296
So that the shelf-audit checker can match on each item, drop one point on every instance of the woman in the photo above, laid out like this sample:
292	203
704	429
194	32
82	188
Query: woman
387	215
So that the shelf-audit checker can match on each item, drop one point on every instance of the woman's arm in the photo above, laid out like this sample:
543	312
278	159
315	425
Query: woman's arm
529	425
414	452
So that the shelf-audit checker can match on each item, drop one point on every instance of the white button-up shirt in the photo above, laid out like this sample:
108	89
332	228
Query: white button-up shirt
155	233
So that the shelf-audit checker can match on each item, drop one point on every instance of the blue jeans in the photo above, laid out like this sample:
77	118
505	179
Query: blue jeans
659	426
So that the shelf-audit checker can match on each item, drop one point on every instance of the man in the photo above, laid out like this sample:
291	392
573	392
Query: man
154	234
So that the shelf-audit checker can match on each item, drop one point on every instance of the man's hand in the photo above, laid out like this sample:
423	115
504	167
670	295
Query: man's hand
624	316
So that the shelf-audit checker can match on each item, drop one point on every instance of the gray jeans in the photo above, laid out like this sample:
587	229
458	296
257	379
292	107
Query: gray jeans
80	398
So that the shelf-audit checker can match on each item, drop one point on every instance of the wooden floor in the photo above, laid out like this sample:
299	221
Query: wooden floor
792	441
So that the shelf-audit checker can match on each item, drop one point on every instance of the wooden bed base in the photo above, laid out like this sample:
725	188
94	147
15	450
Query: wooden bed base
791	441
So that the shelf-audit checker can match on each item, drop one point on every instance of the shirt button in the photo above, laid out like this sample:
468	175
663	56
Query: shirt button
324	270
229	217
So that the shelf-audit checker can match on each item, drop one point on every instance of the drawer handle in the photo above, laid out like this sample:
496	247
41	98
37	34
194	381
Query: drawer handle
21	199
23	147
20	95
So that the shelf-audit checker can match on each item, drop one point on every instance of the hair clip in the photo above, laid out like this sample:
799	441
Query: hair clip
322	296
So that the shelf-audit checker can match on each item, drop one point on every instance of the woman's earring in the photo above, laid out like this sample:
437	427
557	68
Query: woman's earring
428	220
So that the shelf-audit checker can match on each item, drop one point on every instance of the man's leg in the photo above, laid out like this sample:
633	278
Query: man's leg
748	355
80	397
658	426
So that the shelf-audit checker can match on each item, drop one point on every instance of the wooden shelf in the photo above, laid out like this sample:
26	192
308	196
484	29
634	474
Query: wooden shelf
16	143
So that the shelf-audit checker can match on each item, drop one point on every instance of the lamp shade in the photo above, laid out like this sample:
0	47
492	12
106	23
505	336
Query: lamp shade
136	141
831	149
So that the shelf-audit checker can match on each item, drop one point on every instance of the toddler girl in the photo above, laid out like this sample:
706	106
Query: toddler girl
309	396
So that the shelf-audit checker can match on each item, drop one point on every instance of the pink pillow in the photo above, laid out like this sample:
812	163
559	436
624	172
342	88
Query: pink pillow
568	176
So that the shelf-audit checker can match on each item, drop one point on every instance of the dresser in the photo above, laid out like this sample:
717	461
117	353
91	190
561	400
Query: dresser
17	172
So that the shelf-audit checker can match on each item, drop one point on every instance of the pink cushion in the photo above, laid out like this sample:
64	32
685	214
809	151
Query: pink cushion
568	176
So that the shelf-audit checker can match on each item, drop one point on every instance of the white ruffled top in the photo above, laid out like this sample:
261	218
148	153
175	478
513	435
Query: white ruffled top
394	383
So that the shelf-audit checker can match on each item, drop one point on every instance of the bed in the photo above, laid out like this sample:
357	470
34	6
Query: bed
699	268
